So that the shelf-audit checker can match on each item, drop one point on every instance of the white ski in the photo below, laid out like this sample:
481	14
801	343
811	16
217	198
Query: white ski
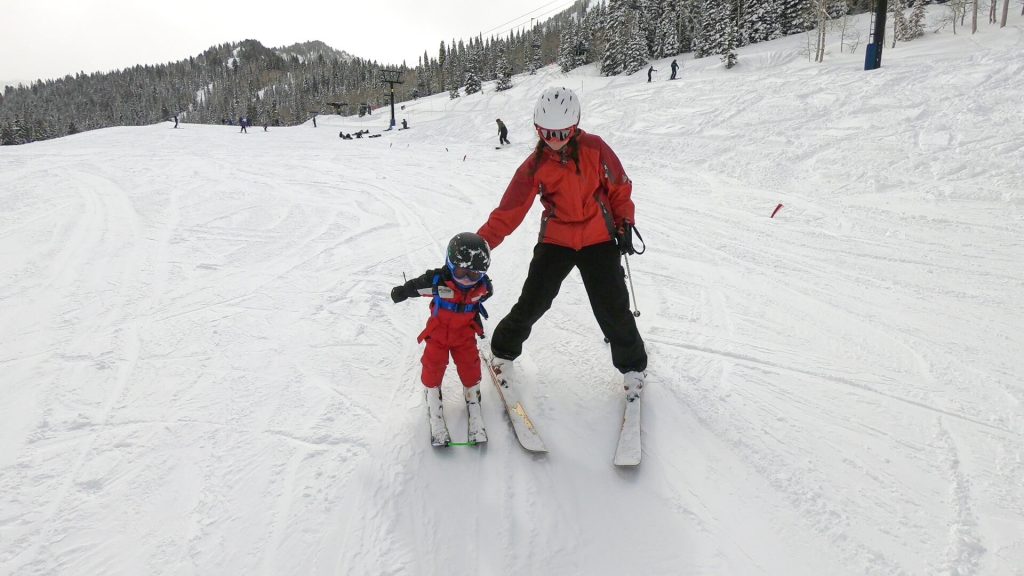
524	428
628	451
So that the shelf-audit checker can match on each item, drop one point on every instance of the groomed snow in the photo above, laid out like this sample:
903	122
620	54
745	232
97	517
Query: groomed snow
201	371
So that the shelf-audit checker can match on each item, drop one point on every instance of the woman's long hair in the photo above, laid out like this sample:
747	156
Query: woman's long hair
570	151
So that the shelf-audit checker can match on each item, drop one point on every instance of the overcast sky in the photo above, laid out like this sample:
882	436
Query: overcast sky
51	38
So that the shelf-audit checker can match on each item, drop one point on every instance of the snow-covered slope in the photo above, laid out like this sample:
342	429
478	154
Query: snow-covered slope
201	371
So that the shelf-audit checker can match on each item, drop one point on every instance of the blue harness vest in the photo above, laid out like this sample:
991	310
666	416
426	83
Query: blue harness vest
471	308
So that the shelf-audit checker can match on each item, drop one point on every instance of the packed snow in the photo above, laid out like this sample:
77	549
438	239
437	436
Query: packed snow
202	371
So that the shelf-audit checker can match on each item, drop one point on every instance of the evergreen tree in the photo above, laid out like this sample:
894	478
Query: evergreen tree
710	27
473	70
729	40
588	47
504	73
22	135
900	26
915	26
452	75
534	61
566	48
760	21
6	135
636	49
275	113
616	22
795	16
442	81
667	35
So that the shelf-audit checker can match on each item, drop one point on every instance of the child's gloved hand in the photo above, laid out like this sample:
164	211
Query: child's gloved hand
398	293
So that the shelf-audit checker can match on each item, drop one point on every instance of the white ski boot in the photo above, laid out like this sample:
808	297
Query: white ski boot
477	431
435	416
633	382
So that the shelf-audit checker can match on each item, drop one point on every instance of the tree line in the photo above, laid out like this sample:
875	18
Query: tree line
285	86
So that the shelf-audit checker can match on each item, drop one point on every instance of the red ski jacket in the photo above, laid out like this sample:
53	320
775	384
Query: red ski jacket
454	309
583	205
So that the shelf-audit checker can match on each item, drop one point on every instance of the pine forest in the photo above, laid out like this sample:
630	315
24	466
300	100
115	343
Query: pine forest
287	85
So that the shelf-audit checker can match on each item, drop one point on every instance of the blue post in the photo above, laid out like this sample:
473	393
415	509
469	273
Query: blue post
871	58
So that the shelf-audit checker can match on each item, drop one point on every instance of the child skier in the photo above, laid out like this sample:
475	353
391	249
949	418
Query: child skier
457	291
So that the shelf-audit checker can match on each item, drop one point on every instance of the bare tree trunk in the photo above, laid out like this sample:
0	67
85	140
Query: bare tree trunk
842	33
992	12
1006	11
822	17
974	18
894	7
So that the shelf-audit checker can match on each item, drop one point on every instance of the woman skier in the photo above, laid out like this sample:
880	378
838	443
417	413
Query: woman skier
587	223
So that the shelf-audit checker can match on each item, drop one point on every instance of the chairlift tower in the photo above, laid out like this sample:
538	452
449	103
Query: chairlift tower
873	55
391	77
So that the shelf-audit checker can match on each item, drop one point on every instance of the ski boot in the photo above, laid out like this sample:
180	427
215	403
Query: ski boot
435	416
477	431
633	382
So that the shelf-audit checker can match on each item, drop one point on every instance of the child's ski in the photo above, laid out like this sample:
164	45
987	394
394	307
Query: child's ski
628	451
524	428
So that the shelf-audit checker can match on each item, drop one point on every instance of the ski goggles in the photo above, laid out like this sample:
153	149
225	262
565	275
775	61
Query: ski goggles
556	135
474	275
466	273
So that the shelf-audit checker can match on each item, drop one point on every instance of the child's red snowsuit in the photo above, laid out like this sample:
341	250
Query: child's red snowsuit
453	326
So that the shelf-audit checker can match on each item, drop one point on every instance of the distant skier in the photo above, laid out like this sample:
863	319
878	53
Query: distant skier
650	71
405	124
502	132
314	120
175	120
675	67
243	122
458	290
587	224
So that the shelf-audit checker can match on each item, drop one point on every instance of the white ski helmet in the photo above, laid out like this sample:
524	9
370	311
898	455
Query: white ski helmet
558	108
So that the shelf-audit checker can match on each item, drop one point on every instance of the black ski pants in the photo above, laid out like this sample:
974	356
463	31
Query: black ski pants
604	280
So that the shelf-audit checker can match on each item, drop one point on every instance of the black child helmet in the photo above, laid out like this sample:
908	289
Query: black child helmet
468	250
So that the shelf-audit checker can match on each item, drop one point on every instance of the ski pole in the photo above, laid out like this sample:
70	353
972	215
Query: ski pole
632	290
